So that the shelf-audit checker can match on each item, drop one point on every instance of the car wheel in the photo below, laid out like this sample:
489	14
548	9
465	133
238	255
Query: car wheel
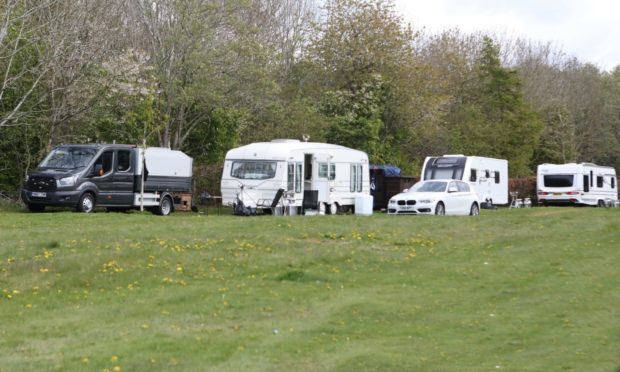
474	210
35	208
440	209
165	206
86	203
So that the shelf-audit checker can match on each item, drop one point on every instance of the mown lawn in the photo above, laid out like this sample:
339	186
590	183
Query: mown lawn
515	290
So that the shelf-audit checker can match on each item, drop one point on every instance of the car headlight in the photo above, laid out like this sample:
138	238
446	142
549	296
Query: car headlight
392	201
66	182
426	201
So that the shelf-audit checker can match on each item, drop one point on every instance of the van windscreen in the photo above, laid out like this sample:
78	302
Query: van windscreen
558	180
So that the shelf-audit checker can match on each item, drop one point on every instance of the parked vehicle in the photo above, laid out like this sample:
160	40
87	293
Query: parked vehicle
488	177
118	177
310	175
584	184
436	197
385	182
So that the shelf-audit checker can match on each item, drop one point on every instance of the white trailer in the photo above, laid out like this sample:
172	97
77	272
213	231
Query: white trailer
584	183
487	176
310	174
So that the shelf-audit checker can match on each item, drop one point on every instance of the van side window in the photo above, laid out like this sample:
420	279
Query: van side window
496	177
105	162
599	181
472	177
123	163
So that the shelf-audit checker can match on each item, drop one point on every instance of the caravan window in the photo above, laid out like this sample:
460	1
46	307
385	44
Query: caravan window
613	182
253	170
558	180
356	177
323	171
599	181
473	175
496	177
293	181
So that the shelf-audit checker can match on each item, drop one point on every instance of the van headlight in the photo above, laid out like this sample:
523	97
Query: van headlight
66	182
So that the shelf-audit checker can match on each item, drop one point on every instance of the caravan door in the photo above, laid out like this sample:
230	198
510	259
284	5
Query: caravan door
323	174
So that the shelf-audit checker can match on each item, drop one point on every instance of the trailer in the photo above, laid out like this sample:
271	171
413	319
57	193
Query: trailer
488	177
576	184
117	177
295	176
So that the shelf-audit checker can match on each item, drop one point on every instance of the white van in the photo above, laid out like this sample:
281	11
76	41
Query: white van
306	175
488	177
585	183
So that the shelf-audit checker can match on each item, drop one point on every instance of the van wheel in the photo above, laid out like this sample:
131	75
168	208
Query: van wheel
165	206
35	208
86	203
474	210
440	209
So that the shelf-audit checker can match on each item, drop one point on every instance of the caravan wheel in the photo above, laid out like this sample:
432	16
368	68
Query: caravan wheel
322	208
600	204
333	208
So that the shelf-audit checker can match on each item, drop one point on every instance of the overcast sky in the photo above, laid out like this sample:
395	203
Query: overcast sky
586	29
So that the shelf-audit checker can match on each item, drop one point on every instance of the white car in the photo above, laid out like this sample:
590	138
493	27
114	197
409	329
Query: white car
438	197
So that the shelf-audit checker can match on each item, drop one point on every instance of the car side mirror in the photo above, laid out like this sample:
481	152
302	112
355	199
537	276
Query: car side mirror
405	190
452	189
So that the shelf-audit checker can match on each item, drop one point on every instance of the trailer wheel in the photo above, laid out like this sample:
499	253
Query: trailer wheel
165	206
440	209
600	204
35	208
86	203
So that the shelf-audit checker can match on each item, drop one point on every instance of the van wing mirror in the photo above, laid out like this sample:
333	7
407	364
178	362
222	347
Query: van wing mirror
97	169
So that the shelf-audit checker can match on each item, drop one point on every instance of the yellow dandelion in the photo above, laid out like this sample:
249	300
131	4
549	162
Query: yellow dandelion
114	359
85	360
116	369
43	270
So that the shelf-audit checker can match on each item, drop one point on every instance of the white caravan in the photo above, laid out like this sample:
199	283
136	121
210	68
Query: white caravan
487	176
312	175
572	183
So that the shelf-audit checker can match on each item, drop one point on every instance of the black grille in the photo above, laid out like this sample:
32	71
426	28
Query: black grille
410	202
39	183
401	202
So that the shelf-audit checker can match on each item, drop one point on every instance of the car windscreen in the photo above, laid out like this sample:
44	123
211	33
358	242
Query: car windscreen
68	158
253	170
435	186
558	180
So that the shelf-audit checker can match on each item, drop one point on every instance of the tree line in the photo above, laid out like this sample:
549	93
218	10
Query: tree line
204	76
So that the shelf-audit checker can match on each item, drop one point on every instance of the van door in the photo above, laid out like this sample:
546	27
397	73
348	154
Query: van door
123	178
104	170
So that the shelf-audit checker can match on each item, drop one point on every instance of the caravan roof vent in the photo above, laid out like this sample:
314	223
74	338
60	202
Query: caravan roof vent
284	140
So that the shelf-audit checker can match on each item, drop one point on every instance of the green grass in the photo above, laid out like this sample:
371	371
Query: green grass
514	290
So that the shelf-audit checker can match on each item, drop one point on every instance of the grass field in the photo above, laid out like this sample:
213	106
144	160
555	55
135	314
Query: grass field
515	290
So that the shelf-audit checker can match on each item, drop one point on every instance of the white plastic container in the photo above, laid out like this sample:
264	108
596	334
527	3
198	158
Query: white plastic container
363	205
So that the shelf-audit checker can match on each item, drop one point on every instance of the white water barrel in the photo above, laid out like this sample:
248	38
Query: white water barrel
363	205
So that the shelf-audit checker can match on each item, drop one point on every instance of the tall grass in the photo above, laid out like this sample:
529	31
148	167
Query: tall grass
530	289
